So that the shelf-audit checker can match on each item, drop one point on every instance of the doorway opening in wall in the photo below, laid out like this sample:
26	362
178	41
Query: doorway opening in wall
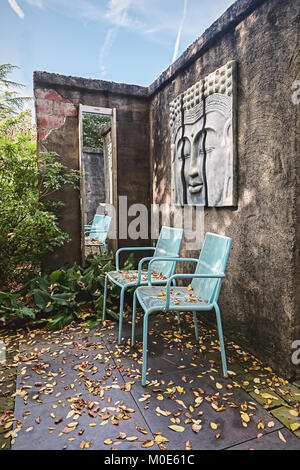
96	162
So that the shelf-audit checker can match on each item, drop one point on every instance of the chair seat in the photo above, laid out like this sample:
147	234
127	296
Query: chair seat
130	277
182	298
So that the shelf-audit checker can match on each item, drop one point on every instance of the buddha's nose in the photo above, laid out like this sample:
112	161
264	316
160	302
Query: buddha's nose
193	170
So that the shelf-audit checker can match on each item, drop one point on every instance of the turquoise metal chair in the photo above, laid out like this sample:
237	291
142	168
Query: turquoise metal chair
167	247
202	294
97	231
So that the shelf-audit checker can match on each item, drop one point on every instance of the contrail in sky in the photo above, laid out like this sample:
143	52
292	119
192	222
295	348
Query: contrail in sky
177	43
16	8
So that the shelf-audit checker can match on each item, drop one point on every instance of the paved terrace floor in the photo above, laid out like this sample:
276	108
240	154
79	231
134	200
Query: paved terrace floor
76	389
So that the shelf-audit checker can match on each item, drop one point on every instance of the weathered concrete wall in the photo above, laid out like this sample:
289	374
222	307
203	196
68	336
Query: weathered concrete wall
258	299
57	100
94	182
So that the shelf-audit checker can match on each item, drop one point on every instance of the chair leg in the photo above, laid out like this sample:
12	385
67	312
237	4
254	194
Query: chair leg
104	300
145	340
178	313
133	319
196	326
178	320
220	330
121	314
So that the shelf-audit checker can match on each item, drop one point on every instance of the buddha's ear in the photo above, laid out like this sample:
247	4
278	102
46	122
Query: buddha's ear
227	129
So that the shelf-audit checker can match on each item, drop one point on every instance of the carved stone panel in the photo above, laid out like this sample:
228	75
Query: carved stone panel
203	141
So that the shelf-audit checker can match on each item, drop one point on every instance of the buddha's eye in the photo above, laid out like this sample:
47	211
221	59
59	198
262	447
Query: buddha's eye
206	151
184	149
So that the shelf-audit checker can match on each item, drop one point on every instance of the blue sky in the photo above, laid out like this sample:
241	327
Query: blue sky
128	41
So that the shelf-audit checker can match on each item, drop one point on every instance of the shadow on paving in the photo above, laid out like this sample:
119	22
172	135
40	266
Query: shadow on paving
77	389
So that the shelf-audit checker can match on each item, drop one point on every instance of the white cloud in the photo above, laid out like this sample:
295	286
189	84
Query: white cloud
16	8
36	3
117	14
105	49
177	43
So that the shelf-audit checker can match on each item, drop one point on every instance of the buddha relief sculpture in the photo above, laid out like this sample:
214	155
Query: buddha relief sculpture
203	141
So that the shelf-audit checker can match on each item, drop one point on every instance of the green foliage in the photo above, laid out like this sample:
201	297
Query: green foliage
10	100
92	124
64	295
28	221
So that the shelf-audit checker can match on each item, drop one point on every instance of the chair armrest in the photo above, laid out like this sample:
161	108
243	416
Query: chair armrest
144	260
168	258
189	276
140	248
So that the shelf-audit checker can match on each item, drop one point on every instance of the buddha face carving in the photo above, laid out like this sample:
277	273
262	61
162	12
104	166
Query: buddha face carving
203	153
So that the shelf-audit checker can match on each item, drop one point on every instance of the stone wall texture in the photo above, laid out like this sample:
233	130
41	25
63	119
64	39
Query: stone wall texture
57	100
260	296
94	182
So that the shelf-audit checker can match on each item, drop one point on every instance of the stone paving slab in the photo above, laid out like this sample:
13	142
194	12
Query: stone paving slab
271	441
50	436
283	414
230	425
267	398
52	377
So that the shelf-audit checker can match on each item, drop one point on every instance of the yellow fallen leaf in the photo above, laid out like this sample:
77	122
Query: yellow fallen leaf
213	425
245	417
162	412
295	426
293	412
281	437
147	444
176	428
108	442
159	439
267	395
188	445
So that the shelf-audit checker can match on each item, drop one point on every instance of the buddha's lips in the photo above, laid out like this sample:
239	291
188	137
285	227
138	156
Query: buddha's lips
195	187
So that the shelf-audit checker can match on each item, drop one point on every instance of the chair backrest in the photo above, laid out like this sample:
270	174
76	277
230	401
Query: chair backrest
168	244
213	260
100	227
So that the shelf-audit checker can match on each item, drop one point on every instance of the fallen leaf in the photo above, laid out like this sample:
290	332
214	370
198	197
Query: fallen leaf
295	426
160	439
108	442
214	425
281	437
176	428
147	444
188	446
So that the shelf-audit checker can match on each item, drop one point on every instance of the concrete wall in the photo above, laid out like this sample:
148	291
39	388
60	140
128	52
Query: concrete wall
94	182
57	100
258	299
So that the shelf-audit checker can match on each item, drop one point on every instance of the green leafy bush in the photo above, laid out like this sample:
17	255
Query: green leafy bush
64	295
28	221
92	124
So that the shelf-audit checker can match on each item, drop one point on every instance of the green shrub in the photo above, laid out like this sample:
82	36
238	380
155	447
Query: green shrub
28	221
64	295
